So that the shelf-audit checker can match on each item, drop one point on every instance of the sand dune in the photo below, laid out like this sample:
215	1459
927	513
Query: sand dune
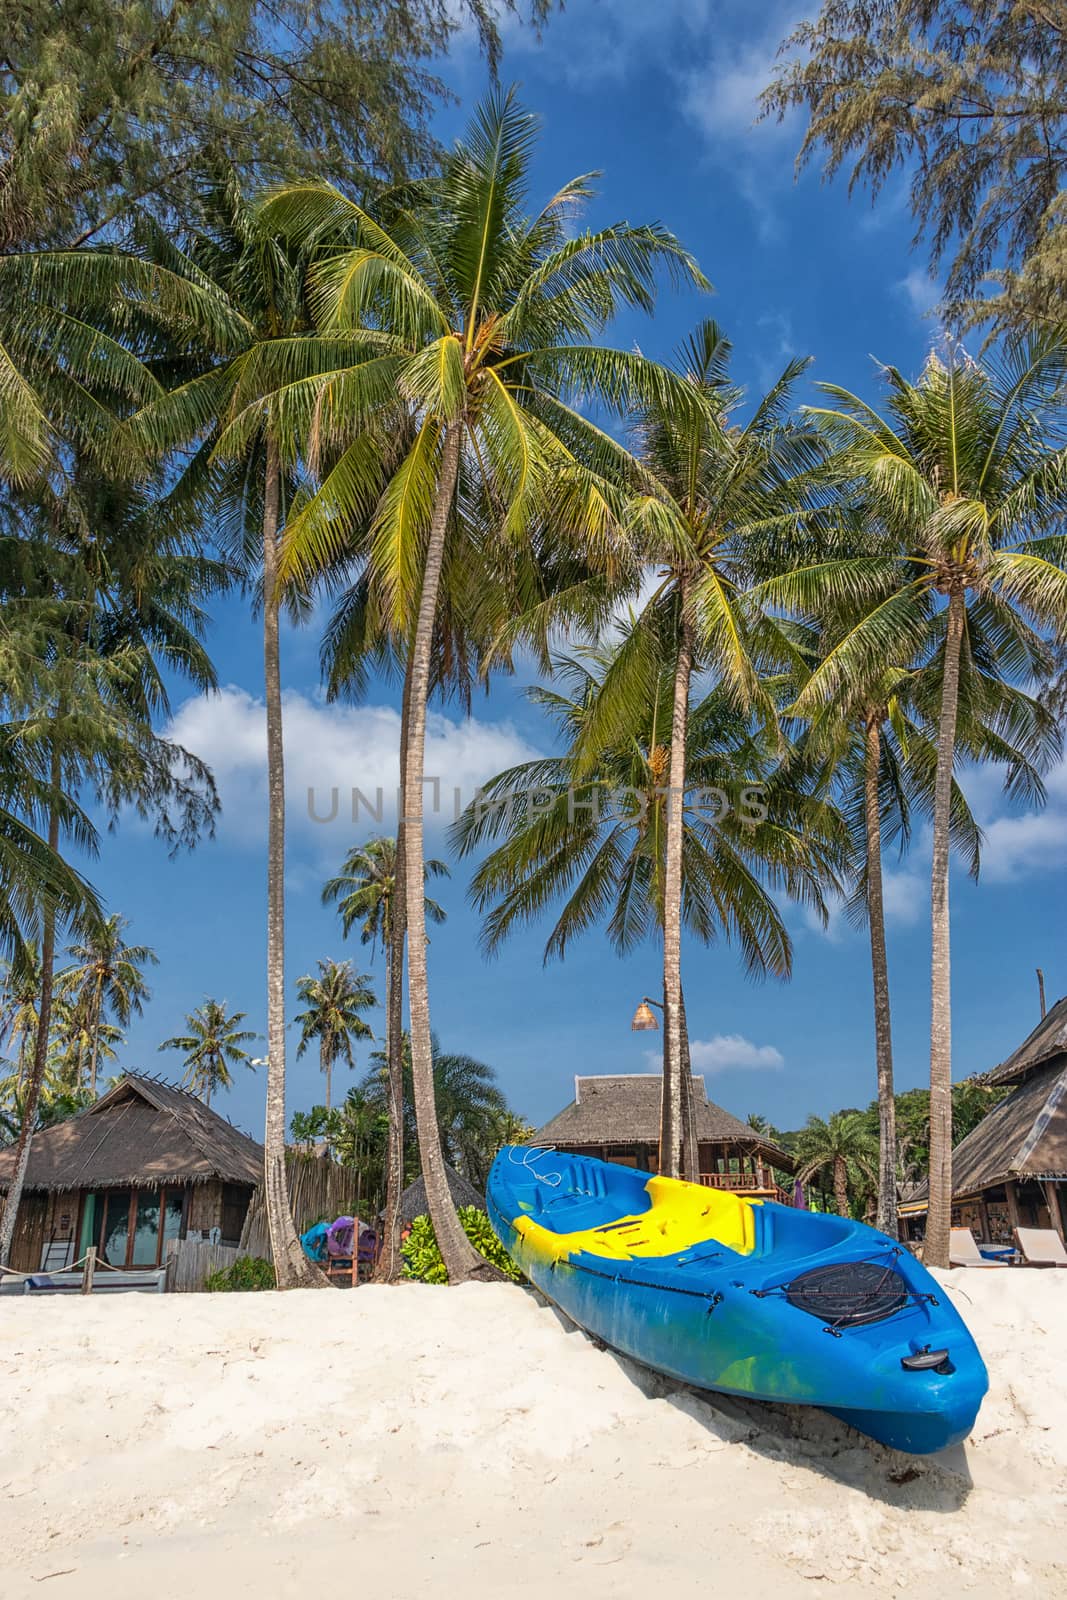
423	1442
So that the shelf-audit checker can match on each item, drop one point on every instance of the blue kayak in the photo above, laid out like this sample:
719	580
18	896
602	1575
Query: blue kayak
743	1296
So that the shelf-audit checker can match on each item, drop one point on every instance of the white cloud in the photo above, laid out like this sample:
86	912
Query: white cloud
922	292
719	85
722	97
331	747
906	894
1017	846
776	346
601	40
726	1052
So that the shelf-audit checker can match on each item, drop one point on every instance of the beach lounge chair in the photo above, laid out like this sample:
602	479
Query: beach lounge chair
963	1251
1041	1247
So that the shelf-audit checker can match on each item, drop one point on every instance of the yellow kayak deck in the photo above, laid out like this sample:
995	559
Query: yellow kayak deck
680	1216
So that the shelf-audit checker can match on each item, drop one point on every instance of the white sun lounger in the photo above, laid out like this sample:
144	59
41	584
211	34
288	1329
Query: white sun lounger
963	1251
1041	1247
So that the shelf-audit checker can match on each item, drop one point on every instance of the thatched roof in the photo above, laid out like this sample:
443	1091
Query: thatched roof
1024	1137
1045	1043
413	1200
624	1109
142	1131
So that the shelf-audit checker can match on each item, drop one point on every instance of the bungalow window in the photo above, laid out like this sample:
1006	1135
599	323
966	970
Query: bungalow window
136	1225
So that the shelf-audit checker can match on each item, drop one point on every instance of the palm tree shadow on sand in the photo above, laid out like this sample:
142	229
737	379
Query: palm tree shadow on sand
803	1436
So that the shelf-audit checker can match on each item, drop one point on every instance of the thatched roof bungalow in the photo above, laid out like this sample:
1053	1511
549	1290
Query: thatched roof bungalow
1011	1170
616	1118
146	1164
413	1199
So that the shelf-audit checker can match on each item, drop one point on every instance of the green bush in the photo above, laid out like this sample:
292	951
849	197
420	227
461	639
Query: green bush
422	1259
247	1272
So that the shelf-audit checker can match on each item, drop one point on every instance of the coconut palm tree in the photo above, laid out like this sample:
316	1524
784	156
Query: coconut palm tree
966	474
878	750
66	367
708	487
583	834
598	844
478	317
368	891
841	1146
511	1128
19	1003
469	1106
55	1102
334	1000
39	892
89	583
214	1043
250	321
75	1038
364	892
471	1110
107	976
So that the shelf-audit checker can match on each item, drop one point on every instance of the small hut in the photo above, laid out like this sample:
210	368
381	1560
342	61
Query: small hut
146	1164
413	1200
1011	1170
617	1117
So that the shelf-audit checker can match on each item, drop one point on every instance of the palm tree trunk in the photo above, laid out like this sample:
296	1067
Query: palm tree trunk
460	1258
291	1266
390	1260
671	1120
690	1142
98	1005
841	1186
40	1053
327	1068
883	1036
939	1216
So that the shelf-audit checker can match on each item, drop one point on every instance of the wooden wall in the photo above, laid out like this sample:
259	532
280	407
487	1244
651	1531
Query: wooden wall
29	1237
189	1261
205	1208
46	1222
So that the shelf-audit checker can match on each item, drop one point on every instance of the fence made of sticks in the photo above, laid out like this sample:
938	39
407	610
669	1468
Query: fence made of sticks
319	1190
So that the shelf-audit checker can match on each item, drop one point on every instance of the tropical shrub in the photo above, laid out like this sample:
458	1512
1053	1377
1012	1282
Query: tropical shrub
246	1273
422	1258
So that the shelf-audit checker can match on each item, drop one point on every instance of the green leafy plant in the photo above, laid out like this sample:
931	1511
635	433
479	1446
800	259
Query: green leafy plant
246	1273
422	1258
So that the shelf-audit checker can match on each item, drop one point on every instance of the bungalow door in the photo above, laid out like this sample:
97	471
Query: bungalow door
136	1225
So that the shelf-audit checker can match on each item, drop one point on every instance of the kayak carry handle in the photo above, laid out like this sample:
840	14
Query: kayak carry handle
927	1360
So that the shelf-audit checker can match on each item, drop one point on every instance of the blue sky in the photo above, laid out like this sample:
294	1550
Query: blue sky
661	99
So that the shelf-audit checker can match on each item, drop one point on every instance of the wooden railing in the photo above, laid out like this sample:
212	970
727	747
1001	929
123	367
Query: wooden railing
738	1181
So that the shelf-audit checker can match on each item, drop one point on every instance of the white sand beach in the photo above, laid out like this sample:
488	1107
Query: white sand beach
417	1442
